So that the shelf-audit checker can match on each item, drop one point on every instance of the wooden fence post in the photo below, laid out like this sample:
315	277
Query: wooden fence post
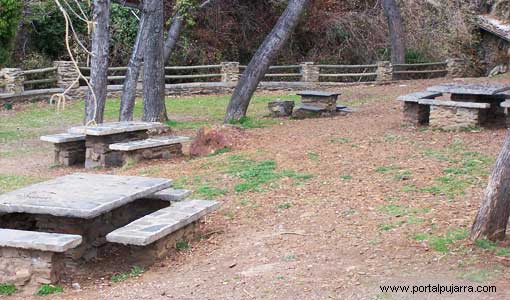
229	72
384	71
310	72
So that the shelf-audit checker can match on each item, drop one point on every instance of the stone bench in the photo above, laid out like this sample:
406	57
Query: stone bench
454	115
152	148
156	235
414	112
29	259
324	100
69	148
171	195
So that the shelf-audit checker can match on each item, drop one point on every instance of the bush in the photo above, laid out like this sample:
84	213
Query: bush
10	14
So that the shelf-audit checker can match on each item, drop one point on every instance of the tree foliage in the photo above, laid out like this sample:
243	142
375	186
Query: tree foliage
10	14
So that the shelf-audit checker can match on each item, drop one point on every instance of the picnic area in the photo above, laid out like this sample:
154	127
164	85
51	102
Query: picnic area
226	150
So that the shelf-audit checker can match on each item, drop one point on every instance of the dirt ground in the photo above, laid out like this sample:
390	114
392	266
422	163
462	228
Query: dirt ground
338	235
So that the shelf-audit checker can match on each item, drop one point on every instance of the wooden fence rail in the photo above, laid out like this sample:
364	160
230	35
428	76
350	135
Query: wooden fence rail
45	80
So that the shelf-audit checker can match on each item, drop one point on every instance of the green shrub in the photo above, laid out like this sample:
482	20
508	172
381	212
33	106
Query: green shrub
10	14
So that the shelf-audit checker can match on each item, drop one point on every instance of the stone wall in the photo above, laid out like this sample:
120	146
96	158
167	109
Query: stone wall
310	72
456	118
229	71
416	114
29	269
384	71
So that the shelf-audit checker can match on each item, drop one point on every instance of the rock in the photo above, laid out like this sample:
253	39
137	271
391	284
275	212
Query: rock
76	286
280	108
210	140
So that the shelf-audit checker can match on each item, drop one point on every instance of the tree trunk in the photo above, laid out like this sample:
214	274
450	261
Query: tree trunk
492	218
397	35
94	107
173	35
260	62
154	64
127	100
175	31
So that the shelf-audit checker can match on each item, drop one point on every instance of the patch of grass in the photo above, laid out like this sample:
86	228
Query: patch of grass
49	289
449	186
187	124
485	244
220	151
441	243
313	156
386	227
399	210
346	177
254	174
289	257
409	188
134	272
182	245
391	138
403	175
341	140
13	182
7	289
384	169
477	275
284	206
249	123
503	252
229	215
209	192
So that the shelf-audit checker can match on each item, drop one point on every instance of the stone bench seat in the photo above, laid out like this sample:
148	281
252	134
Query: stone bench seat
171	195
162	223
149	143
69	148
417	96
41	241
461	104
61	138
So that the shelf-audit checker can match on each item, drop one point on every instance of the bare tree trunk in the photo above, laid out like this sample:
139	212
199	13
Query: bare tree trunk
127	100
492	217
175	30
397	35
260	62
94	108
154	64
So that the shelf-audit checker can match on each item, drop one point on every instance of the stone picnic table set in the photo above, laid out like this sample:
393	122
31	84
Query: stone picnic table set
50	229
469	105
112	144
313	104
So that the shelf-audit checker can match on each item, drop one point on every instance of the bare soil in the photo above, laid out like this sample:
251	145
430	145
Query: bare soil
334	237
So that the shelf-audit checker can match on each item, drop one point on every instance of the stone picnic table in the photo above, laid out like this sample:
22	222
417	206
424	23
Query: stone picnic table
98	139
468	105
89	205
50	228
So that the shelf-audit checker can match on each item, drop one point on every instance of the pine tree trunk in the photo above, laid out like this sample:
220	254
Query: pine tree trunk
154	65
260	62
94	108
127	100
397	34
492	218
173	35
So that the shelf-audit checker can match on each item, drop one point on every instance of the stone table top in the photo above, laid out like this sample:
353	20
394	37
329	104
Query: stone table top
469	88
113	128
317	94
80	195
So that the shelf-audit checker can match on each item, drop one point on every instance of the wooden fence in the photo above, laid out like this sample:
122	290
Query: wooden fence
49	80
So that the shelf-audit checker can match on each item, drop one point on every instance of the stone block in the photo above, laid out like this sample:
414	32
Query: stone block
171	195
456	118
416	114
280	108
